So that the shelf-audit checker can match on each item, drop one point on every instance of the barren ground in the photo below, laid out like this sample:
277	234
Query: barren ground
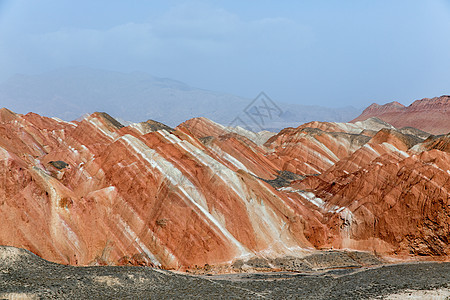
26	276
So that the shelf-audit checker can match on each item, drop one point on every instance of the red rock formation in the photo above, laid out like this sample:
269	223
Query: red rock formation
202	193
394	200
396	205
430	115
162	195
435	142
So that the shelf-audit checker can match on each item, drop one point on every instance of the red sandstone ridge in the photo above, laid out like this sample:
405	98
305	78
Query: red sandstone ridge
430	115
96	192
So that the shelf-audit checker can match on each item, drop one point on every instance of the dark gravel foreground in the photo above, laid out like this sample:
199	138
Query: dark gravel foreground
24	274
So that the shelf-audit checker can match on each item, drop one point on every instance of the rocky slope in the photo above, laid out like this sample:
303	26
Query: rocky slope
431	115
97	192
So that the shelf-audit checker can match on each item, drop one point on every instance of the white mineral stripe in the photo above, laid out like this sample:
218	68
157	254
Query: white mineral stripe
178	180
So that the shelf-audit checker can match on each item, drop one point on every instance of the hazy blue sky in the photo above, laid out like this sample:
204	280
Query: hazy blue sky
330	53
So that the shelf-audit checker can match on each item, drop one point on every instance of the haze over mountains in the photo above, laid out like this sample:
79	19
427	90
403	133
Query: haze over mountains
72	92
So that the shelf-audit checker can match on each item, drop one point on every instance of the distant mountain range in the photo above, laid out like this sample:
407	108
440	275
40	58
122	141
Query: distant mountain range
72	92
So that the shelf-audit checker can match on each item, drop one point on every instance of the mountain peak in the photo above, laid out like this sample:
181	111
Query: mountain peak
6	115
428	114
377	108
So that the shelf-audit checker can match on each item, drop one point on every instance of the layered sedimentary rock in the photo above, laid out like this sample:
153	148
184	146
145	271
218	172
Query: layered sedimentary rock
397	197
96	192
430	115
158	198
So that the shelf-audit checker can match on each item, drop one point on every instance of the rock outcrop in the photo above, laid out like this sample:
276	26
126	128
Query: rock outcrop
97	192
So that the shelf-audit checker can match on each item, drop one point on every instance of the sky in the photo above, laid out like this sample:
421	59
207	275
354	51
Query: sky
330	53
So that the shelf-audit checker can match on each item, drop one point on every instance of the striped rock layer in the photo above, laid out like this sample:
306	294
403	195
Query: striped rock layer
203	193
